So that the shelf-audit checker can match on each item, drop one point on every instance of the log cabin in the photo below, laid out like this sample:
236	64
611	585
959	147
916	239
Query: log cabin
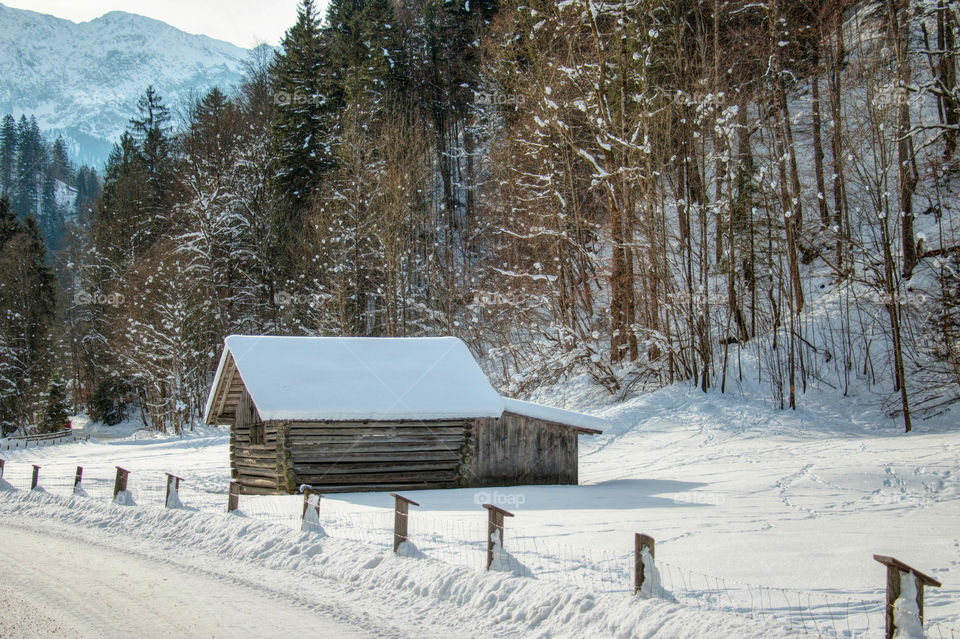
376	413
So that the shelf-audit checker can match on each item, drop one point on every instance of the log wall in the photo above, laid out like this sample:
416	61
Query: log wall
366	456
379	456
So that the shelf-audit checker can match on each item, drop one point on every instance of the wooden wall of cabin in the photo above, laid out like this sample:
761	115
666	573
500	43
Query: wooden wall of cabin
366	456
255	457
516	450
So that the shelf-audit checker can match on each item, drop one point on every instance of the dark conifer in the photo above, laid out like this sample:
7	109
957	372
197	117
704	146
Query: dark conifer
8	155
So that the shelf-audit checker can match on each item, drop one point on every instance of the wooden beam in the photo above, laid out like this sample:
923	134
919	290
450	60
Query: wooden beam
387	479
120	483
360	468
344	445
586	431
173	486
307	492
233	367
370	488
383	455
233	500
891	561
257	482
401	514
494	527
422	429
896	568
640	542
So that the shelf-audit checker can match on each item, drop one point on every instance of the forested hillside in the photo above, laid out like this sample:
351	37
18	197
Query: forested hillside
641	191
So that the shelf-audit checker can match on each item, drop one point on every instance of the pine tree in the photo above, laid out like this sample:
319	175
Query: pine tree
58	175
88	190
8	155
60	167
300	130
110	400
151	132
120	226
368	61
31	162
56	411
40	288
8	220
27	311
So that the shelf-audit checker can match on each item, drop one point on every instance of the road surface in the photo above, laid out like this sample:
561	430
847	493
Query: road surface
56	587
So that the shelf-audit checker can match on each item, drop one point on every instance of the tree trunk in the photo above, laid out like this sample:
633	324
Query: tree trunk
947	76
906	171
818	150
836	144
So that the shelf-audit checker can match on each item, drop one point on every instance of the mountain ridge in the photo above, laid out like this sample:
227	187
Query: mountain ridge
83	79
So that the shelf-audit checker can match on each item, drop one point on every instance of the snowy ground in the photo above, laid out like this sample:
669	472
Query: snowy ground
736	494
87	567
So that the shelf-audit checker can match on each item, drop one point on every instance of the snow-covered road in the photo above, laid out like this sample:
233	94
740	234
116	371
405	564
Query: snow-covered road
54	586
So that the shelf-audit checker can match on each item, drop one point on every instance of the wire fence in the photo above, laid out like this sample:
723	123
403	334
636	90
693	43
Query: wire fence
463	541
40	441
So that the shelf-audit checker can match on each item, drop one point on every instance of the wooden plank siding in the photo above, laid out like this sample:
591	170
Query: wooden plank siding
516	450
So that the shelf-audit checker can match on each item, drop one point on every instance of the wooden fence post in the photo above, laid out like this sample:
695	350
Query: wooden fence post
120	484
639	543
307	492
78	478
494	527
401	513
173	484
1	468
895	568
233	501
36	477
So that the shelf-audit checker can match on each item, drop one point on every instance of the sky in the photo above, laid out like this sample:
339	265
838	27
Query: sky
245	23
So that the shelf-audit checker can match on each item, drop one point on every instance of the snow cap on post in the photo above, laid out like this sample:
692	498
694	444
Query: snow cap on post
897	572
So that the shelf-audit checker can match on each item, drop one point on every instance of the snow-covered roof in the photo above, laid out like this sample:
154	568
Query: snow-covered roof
357	378
365	378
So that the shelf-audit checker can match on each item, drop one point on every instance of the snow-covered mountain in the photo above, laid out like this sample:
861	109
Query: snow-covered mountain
83	80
